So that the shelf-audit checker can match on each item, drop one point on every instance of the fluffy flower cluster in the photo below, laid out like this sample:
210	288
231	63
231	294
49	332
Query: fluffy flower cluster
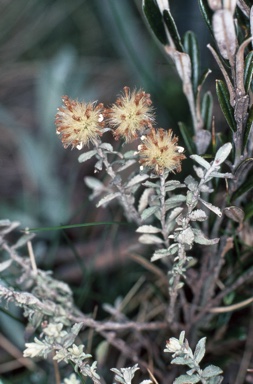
159	150
79	123
131	114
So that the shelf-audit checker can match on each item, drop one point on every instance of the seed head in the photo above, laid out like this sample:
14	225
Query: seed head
79	123
159	151
131	114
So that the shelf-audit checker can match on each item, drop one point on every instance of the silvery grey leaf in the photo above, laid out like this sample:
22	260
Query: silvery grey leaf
200	161
137	180
210	371
178	361
199	171
9	227
5	264
5	223
200	350
173	184
107	146
93	183
202	140
99	165
129	154
108	198
150	239
212	207
185	379
205	188
200	238
175	213
191	183
175	199
86	156
222	154
160	254
148	229
224	33
126	165
144	199
186	236
149	212
150	184
23	240
197	215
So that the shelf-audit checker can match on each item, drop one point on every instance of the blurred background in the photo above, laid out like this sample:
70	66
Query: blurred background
88	50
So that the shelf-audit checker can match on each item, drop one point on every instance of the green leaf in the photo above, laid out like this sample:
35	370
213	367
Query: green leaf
172	28
223	97
207	13
244	187
207	110
191	47
248	72
155	20
187	137
247	128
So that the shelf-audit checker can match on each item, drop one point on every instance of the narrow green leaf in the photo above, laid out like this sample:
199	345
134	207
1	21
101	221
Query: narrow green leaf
187	137
172	28
207	110
154	18
248	71
247	128
223	97
207	13
191	47
245	187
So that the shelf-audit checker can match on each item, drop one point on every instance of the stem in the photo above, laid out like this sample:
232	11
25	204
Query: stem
126	199
163	210
56	372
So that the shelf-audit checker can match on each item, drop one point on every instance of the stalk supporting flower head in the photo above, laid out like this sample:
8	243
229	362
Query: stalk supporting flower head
79	123
159	150
131	114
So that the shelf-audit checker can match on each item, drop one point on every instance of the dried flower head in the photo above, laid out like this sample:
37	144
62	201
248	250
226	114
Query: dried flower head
159	150
131	114
79	123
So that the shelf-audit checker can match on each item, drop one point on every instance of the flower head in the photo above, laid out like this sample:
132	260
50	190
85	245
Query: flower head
159	151
79	123
131	114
